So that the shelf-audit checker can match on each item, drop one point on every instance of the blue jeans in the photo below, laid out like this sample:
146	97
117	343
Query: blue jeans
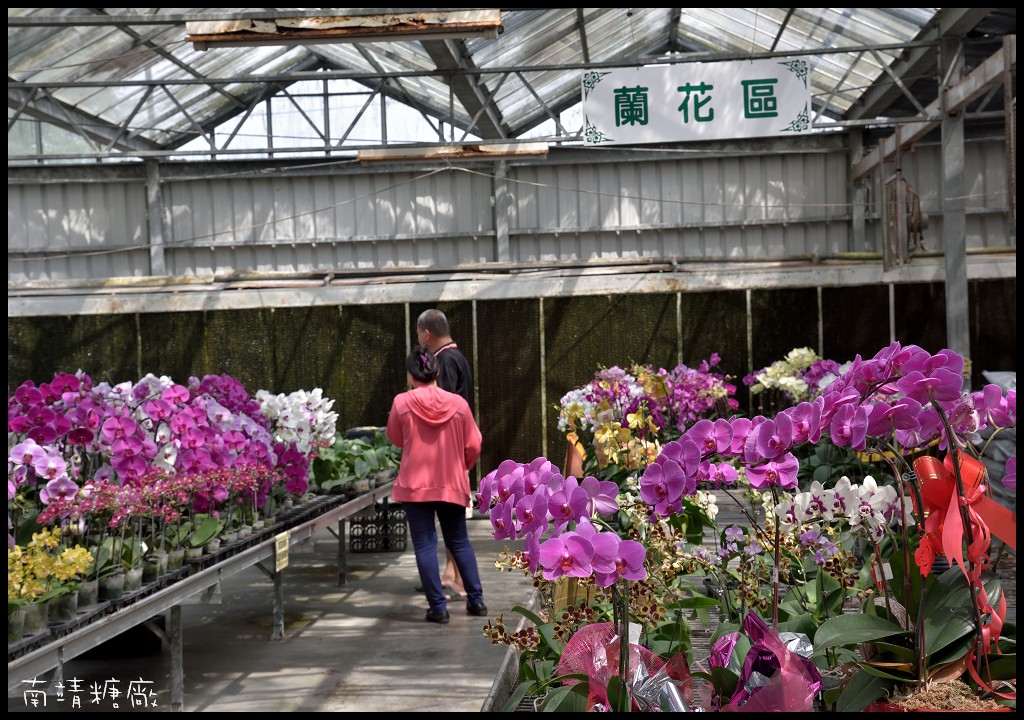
456	538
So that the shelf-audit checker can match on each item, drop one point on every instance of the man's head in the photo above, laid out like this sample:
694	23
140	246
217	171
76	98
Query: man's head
432	328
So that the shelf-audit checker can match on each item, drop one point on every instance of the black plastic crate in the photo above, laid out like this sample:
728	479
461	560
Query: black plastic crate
381	529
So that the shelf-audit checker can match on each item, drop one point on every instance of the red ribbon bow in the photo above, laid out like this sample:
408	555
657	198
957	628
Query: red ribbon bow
944	527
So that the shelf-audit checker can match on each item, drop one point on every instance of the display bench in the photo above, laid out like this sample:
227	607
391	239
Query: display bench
200	579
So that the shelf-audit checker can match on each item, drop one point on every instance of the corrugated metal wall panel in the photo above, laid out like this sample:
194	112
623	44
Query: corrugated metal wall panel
767	204
324	209
984	189
106	219
660	196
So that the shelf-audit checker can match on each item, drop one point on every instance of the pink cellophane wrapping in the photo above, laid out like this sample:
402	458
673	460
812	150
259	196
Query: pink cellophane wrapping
594	651
773	678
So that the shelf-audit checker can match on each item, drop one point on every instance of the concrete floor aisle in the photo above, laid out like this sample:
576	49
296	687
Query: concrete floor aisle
363	647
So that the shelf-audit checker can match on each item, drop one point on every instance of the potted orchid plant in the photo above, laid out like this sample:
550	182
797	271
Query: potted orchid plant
896	405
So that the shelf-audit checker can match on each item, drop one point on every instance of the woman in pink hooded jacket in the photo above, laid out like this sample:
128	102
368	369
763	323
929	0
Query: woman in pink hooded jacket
440	442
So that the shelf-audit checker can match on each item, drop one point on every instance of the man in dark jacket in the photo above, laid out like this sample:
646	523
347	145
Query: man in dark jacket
456	375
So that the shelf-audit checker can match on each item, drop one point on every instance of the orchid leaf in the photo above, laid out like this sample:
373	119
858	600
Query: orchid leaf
952	652
565	699
698	601
547	633
528	614
948	612
1004	667
899	652
722	630
886	671
725	682
521	691
206	528
801	624
862	690
618	695
830	696
854	629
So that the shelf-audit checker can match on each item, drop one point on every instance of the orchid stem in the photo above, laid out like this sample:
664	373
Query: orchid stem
775	570
966	520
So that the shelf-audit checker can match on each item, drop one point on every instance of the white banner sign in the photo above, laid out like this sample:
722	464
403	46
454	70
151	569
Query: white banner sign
696	101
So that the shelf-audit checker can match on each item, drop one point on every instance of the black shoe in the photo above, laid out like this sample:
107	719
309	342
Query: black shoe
438	616
420	588
476	609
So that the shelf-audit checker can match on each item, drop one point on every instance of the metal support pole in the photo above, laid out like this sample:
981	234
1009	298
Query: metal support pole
954	221
342	557
858	195
155	216
177	660
278	632
502	250
543	383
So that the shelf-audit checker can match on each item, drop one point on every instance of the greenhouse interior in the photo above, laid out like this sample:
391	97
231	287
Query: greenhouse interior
711	390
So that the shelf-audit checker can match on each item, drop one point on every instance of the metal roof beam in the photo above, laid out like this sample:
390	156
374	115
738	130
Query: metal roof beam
66	117
264	92
581	28
693	57
673	29
72	20
782	29
952	101
917	60
398	92
473	94
179	64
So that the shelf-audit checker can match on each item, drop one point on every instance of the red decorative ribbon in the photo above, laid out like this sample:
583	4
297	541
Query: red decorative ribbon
944	527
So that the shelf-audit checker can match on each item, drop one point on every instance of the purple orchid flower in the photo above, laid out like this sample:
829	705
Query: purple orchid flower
532	513
703	435
722	474
567	505
628	564
175	394
26	453
118	427
849	426
502	522
734	533
942	385
59	488
782	473
684	452
538	473
569	555
740	430
774	437
1010	478
605	544
531	551
805	418
50	467
662	483
601	496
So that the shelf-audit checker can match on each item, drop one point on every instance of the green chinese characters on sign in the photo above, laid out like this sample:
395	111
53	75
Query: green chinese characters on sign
631	106
696	93
759	99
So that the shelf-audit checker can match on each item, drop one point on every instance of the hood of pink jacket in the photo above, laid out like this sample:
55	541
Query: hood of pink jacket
433	405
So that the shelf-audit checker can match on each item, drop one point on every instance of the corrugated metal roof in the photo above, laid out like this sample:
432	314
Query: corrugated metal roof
105	79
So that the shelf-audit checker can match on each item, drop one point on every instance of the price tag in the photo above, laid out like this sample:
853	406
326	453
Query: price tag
280	551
